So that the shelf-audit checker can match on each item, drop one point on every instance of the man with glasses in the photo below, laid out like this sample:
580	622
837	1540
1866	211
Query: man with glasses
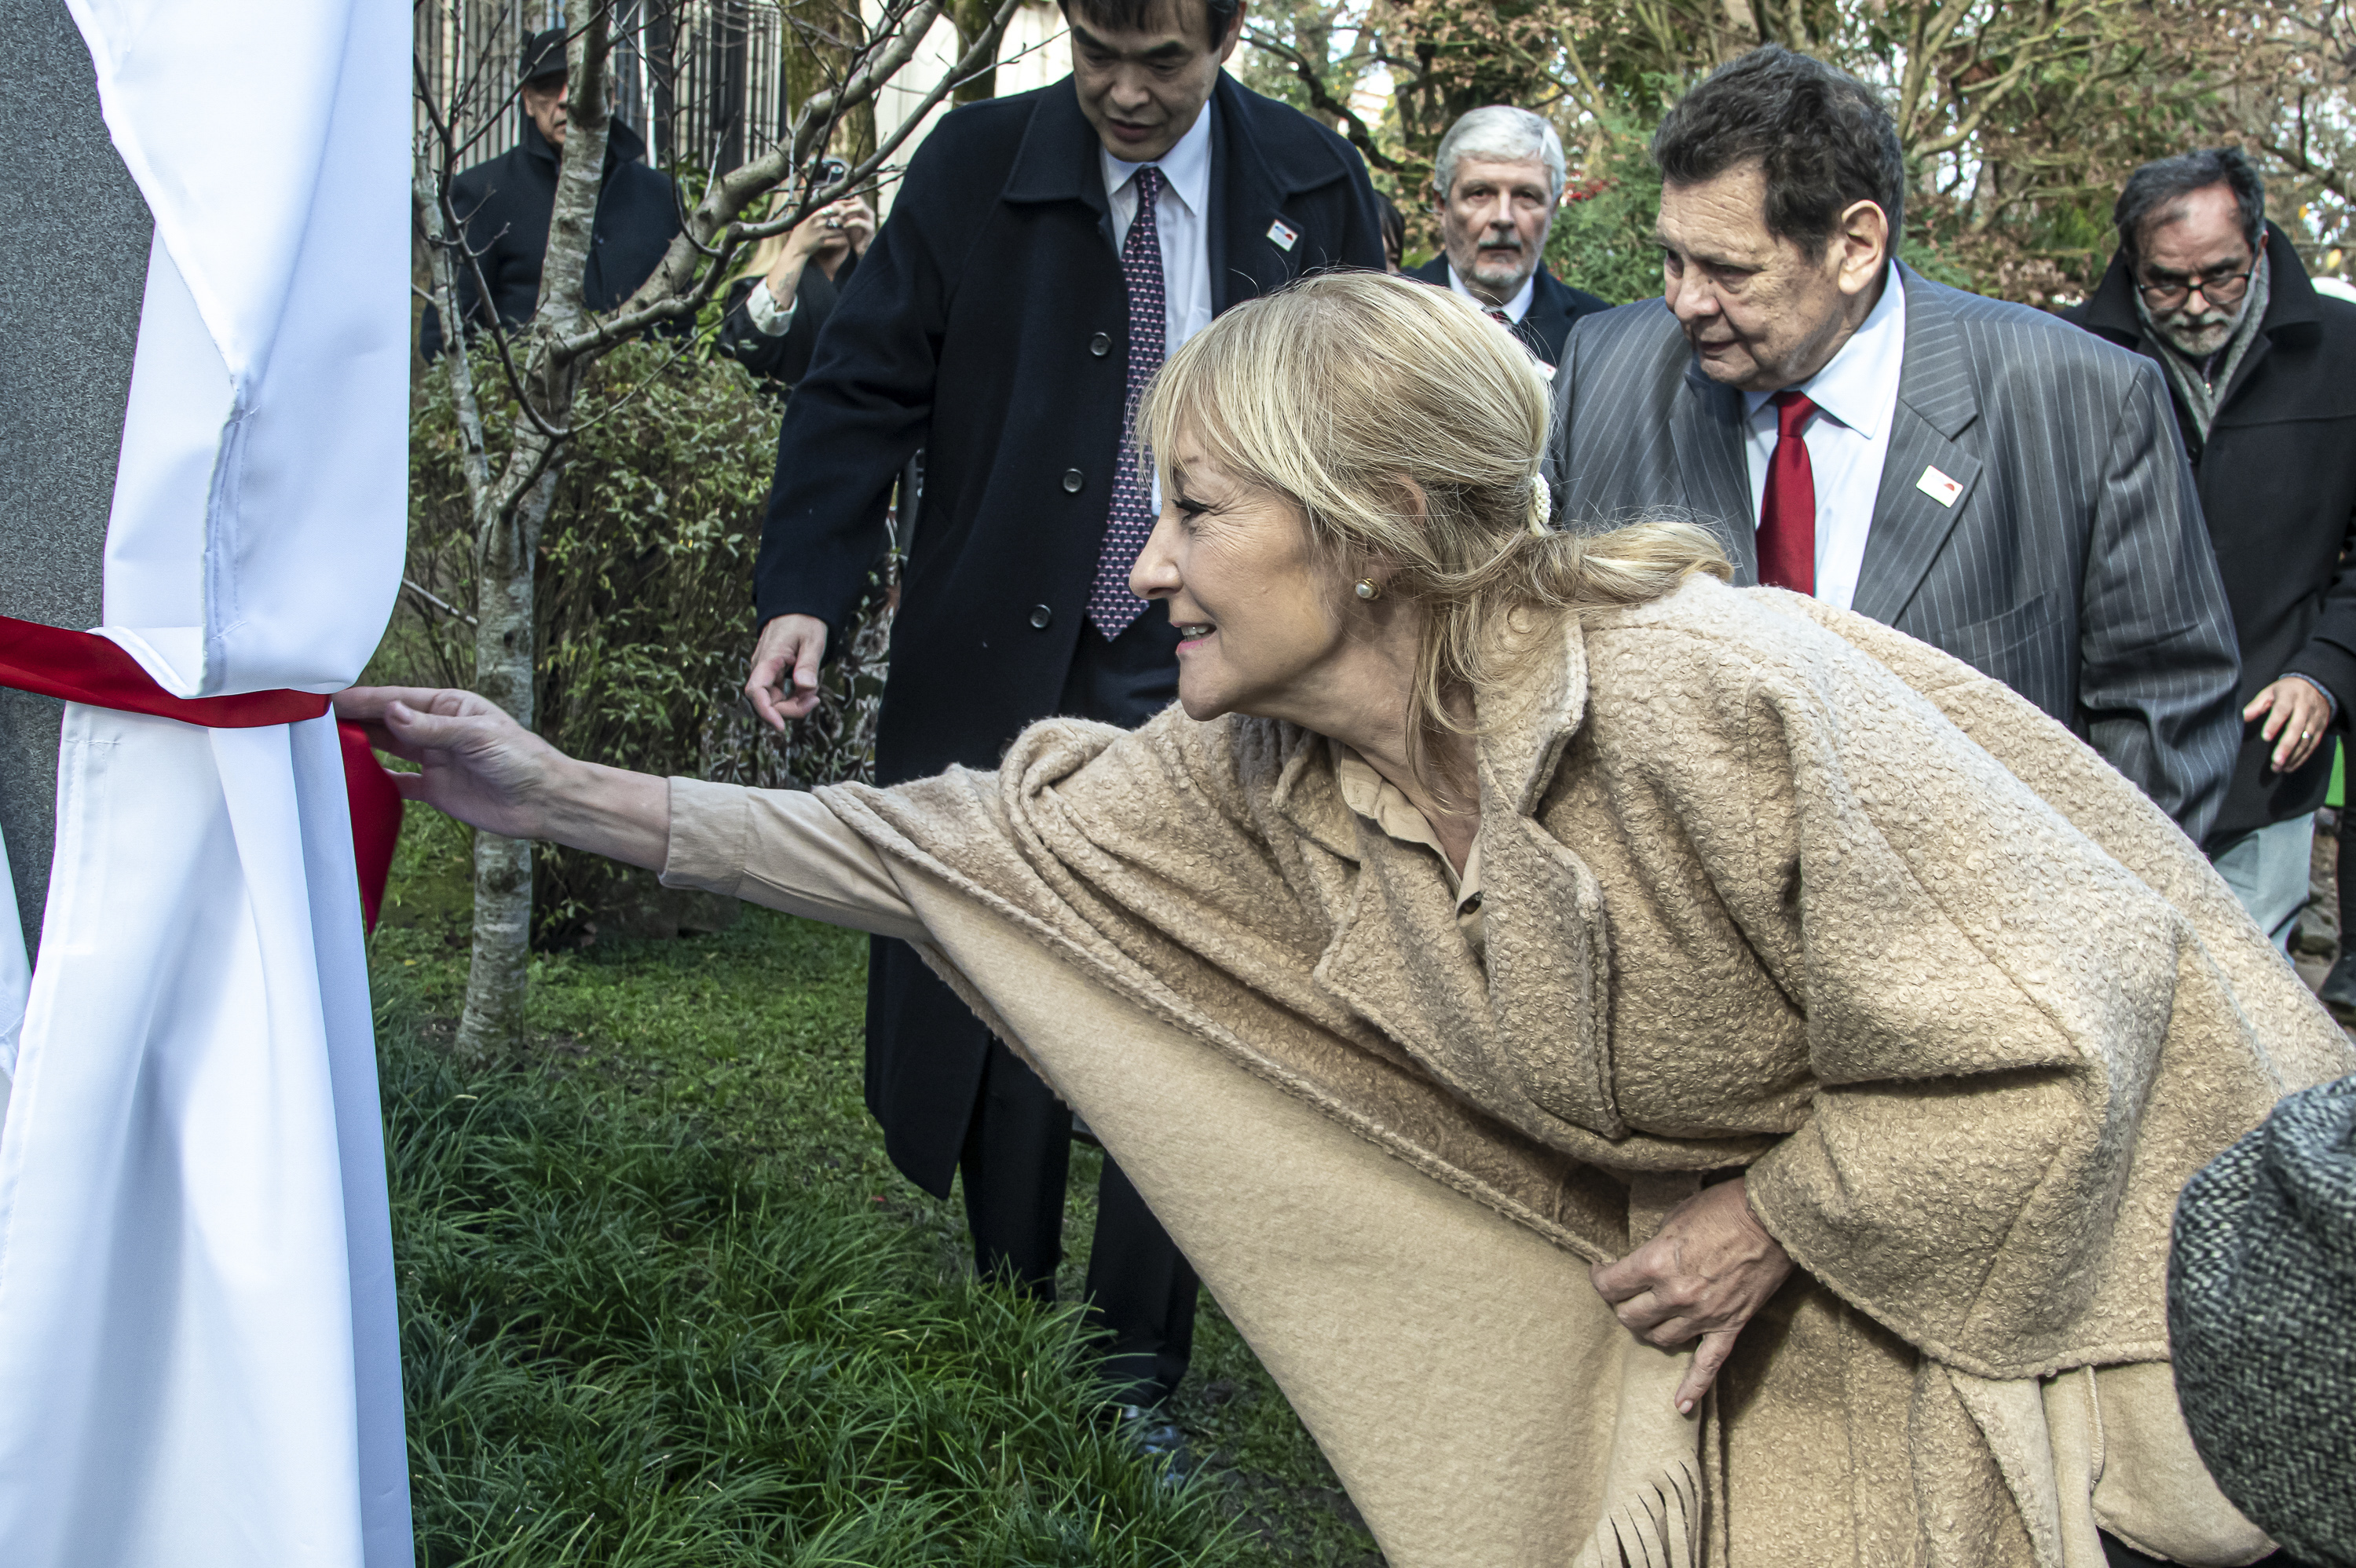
2256	362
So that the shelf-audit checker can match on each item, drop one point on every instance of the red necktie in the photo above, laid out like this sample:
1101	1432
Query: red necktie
1787	523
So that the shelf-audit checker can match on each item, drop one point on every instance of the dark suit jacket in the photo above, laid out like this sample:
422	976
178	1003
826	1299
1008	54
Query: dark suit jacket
2277	481
2072	565
989	323
505	204
1554	305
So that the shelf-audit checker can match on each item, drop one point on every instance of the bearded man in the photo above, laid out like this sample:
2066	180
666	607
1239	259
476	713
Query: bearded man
2256	366
1497	179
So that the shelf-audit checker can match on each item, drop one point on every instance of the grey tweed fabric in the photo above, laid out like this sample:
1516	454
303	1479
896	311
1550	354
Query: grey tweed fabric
2262	1314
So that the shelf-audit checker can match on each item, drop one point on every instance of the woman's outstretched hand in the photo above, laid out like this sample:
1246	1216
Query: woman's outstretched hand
1705	1272
489	772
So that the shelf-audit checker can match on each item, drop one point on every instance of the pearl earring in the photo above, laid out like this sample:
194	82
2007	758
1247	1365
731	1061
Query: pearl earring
1369	589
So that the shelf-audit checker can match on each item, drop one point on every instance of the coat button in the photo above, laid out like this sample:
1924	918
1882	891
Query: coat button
1100	345
1042	617
1072	481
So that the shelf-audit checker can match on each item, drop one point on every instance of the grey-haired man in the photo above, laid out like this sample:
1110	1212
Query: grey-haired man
2256	364
1497	180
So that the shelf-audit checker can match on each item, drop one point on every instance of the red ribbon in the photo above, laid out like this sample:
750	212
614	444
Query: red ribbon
81	667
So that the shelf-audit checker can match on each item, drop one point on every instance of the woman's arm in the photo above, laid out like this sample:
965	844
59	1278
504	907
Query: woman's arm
489	772
781	848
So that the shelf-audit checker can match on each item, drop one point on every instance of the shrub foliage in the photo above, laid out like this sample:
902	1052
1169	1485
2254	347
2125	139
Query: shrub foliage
644	593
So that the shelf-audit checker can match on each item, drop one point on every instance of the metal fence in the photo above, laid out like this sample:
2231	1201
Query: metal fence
702	80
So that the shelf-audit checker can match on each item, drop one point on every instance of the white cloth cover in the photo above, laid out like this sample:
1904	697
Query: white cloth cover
198	1363
15	980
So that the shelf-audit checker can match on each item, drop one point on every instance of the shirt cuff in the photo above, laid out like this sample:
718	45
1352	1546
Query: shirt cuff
761	308
2332	701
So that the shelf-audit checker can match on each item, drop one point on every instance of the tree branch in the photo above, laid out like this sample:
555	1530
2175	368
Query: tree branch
680	284
1322	99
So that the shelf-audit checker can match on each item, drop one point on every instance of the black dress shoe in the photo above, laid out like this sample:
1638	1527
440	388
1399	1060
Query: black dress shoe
1149	1429
2339	988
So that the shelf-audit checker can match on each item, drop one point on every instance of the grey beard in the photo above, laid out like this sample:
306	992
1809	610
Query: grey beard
2197	338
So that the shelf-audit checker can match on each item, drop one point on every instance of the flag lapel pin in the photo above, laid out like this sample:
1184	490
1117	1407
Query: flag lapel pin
1281	234
1938	487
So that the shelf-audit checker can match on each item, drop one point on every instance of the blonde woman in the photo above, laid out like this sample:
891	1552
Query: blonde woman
1660	1074
786	288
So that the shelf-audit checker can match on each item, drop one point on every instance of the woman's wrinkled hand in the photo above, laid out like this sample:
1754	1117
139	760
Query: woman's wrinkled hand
1708	1268
480	766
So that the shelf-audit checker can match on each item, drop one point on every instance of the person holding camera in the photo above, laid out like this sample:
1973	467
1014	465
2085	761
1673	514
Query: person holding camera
789	283
1044	255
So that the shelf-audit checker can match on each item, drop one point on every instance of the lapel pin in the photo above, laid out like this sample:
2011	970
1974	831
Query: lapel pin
1938	487
1281	234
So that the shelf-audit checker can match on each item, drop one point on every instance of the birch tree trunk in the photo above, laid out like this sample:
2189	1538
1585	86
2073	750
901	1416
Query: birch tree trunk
509	516
543	364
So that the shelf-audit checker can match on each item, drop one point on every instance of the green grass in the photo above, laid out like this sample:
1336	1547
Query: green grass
665	1302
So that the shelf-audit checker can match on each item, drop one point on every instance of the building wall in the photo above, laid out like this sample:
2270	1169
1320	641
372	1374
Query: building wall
71	279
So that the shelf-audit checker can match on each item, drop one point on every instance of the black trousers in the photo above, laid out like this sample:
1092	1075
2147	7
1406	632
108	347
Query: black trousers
1016	1159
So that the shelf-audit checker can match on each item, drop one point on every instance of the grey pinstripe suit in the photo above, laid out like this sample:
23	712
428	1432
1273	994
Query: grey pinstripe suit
2073	566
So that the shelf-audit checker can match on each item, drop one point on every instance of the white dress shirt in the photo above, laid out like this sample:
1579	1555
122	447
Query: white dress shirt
1849	440
1514	308
761	308
1182	219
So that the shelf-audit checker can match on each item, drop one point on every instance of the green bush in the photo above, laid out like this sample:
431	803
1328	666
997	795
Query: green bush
644	592
1603	237
625	1343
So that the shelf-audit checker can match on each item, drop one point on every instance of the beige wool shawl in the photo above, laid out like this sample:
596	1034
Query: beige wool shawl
1769	887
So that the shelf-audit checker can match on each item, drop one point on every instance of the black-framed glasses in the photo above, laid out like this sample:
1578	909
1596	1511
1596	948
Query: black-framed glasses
2224	289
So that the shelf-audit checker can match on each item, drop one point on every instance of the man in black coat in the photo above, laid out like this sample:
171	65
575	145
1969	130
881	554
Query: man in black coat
1045	253
504	204
1498	177
2258	366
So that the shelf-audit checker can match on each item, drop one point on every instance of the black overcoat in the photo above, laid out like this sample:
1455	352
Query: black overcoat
505	204
989	324
1554	305
2277	482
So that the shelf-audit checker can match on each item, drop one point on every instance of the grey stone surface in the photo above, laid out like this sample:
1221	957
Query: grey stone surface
71	275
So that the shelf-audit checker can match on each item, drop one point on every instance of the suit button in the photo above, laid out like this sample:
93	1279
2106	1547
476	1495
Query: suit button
1042	617
1072	481
1100	345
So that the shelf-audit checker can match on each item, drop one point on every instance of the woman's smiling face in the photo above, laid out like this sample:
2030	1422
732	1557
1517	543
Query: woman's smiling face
1258	613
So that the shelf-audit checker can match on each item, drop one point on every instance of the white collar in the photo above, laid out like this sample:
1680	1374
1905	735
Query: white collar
1514	308
1859	387
1185	167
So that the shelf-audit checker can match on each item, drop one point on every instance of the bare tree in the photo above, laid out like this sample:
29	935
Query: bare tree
544	362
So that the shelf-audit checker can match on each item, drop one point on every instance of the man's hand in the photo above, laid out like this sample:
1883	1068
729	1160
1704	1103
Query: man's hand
2297	711
784	682
1710	1266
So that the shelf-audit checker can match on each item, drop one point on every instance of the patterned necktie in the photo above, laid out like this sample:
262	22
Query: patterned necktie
1130	521
1787	523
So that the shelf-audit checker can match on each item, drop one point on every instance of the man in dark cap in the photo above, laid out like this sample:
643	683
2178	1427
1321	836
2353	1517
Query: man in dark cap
504	204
